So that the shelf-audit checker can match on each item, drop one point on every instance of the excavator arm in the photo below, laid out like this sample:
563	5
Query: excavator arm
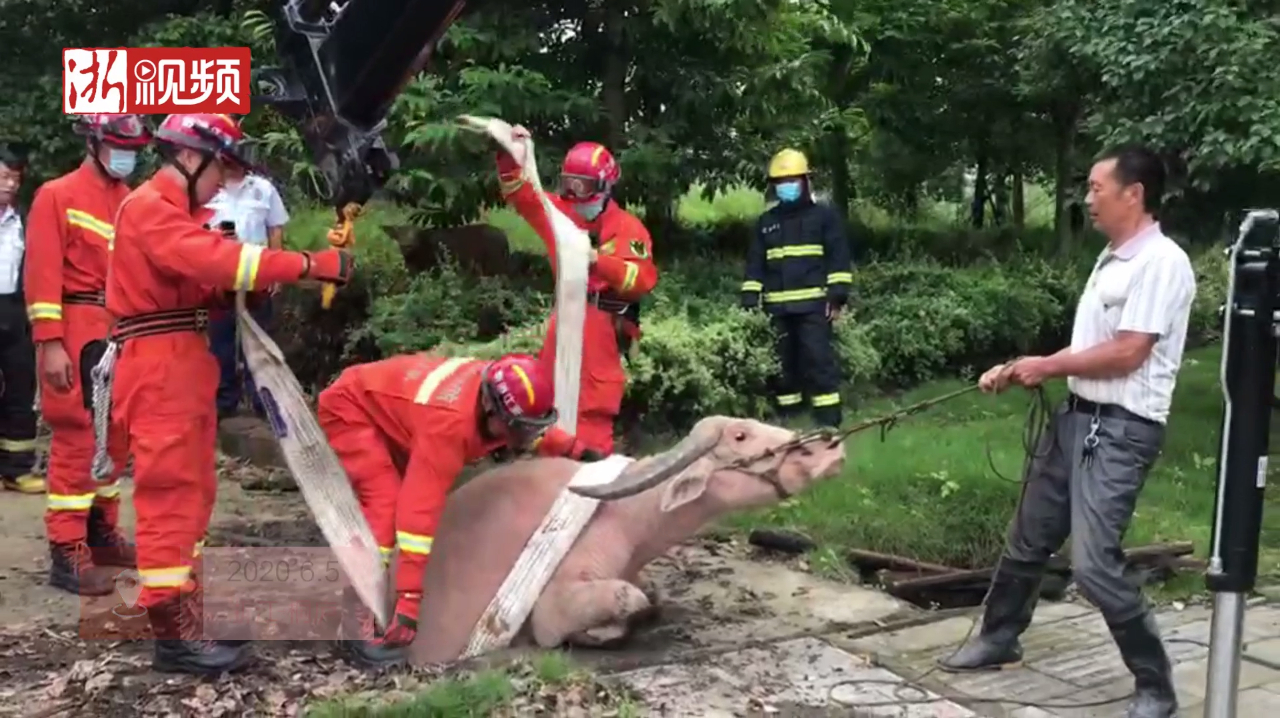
342	65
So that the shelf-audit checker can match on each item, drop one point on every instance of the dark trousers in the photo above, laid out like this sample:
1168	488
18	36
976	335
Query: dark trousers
17	389
222	342
1088	494
806	350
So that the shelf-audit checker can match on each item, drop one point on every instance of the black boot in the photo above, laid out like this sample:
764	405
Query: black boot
109	546
71	568
1143	652
1010	605
360	641
180	647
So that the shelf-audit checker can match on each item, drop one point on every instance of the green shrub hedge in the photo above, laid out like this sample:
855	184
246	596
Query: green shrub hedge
908	322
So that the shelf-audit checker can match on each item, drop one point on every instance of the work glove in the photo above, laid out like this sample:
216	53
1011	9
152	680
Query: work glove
589	455
403	627
331	265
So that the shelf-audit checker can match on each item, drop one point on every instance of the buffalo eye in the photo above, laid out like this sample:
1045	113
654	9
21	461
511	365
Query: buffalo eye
740	436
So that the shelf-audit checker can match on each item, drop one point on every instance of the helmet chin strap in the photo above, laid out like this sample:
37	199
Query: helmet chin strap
191	177
95	149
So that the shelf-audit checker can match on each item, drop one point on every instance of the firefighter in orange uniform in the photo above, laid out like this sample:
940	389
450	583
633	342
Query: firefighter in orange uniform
68	232
431	415
166	271
622	273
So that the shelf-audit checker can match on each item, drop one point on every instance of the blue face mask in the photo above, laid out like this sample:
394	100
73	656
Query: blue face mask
120	163
589	210
788	191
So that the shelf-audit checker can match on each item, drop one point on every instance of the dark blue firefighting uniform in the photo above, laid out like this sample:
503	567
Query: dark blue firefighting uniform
799	264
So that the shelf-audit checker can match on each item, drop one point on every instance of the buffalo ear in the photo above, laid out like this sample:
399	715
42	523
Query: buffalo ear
683	489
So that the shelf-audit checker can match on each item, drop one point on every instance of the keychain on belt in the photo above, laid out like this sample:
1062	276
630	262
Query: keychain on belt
1091	440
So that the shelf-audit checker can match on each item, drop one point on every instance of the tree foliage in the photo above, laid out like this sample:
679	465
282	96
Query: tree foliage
894	101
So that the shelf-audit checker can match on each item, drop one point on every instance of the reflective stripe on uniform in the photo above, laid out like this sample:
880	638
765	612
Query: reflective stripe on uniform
164	577
437	376
507	187
825	399
752	285
17	446
70	502
86	221
44	310
795	295
796	250
633	272
247	269
108	491
789	399
414	543
385	552
840	278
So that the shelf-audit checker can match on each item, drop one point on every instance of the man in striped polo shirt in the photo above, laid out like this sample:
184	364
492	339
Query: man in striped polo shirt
1126	349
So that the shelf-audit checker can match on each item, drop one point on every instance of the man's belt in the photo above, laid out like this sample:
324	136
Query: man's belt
96	298
155	323
1111	411
606	303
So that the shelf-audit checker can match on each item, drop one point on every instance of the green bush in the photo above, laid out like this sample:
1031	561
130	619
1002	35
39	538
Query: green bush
908	321
1212	272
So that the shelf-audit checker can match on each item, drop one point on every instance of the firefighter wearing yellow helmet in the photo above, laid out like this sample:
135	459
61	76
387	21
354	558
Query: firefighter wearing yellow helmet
798	270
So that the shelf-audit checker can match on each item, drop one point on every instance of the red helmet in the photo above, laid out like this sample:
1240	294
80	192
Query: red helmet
125	131
218	135
517	388
589	172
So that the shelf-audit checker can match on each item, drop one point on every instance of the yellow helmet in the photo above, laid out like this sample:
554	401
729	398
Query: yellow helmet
788	163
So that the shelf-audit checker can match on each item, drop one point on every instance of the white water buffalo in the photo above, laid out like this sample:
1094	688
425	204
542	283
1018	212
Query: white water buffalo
723	465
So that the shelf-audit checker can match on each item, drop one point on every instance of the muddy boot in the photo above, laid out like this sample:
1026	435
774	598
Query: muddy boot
1139	642
180	646
1010	605
71	568
109	546
359	639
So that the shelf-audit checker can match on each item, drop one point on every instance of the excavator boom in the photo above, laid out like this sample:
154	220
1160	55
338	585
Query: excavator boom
342	65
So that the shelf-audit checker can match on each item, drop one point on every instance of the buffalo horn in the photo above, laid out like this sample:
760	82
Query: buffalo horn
644	475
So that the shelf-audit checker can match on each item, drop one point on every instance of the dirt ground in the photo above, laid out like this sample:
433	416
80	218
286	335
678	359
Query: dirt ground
717	595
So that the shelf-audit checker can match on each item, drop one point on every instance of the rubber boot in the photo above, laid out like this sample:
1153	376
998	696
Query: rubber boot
72	569
359	639
25	484
1143	652
1010	605
180	646
109	546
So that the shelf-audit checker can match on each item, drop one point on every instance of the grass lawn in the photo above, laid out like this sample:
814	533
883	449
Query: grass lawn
928	490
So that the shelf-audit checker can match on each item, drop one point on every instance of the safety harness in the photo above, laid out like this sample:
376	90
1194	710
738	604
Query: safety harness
150	324
92	298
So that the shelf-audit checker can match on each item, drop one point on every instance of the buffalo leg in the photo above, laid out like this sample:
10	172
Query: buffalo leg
586	613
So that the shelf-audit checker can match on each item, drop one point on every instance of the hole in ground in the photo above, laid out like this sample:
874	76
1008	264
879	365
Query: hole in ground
971	594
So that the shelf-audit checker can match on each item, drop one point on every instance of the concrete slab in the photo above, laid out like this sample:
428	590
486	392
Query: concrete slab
787	678
947	633
1257	703
1191	678
1261	622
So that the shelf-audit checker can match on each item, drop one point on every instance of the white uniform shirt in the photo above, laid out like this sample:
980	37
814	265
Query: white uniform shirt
255	207
12	245
1146	286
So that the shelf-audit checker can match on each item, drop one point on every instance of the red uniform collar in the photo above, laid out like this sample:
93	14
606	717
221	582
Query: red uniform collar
88	172
172	188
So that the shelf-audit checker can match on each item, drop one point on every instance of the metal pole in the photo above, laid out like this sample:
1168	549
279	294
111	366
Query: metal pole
1248	385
